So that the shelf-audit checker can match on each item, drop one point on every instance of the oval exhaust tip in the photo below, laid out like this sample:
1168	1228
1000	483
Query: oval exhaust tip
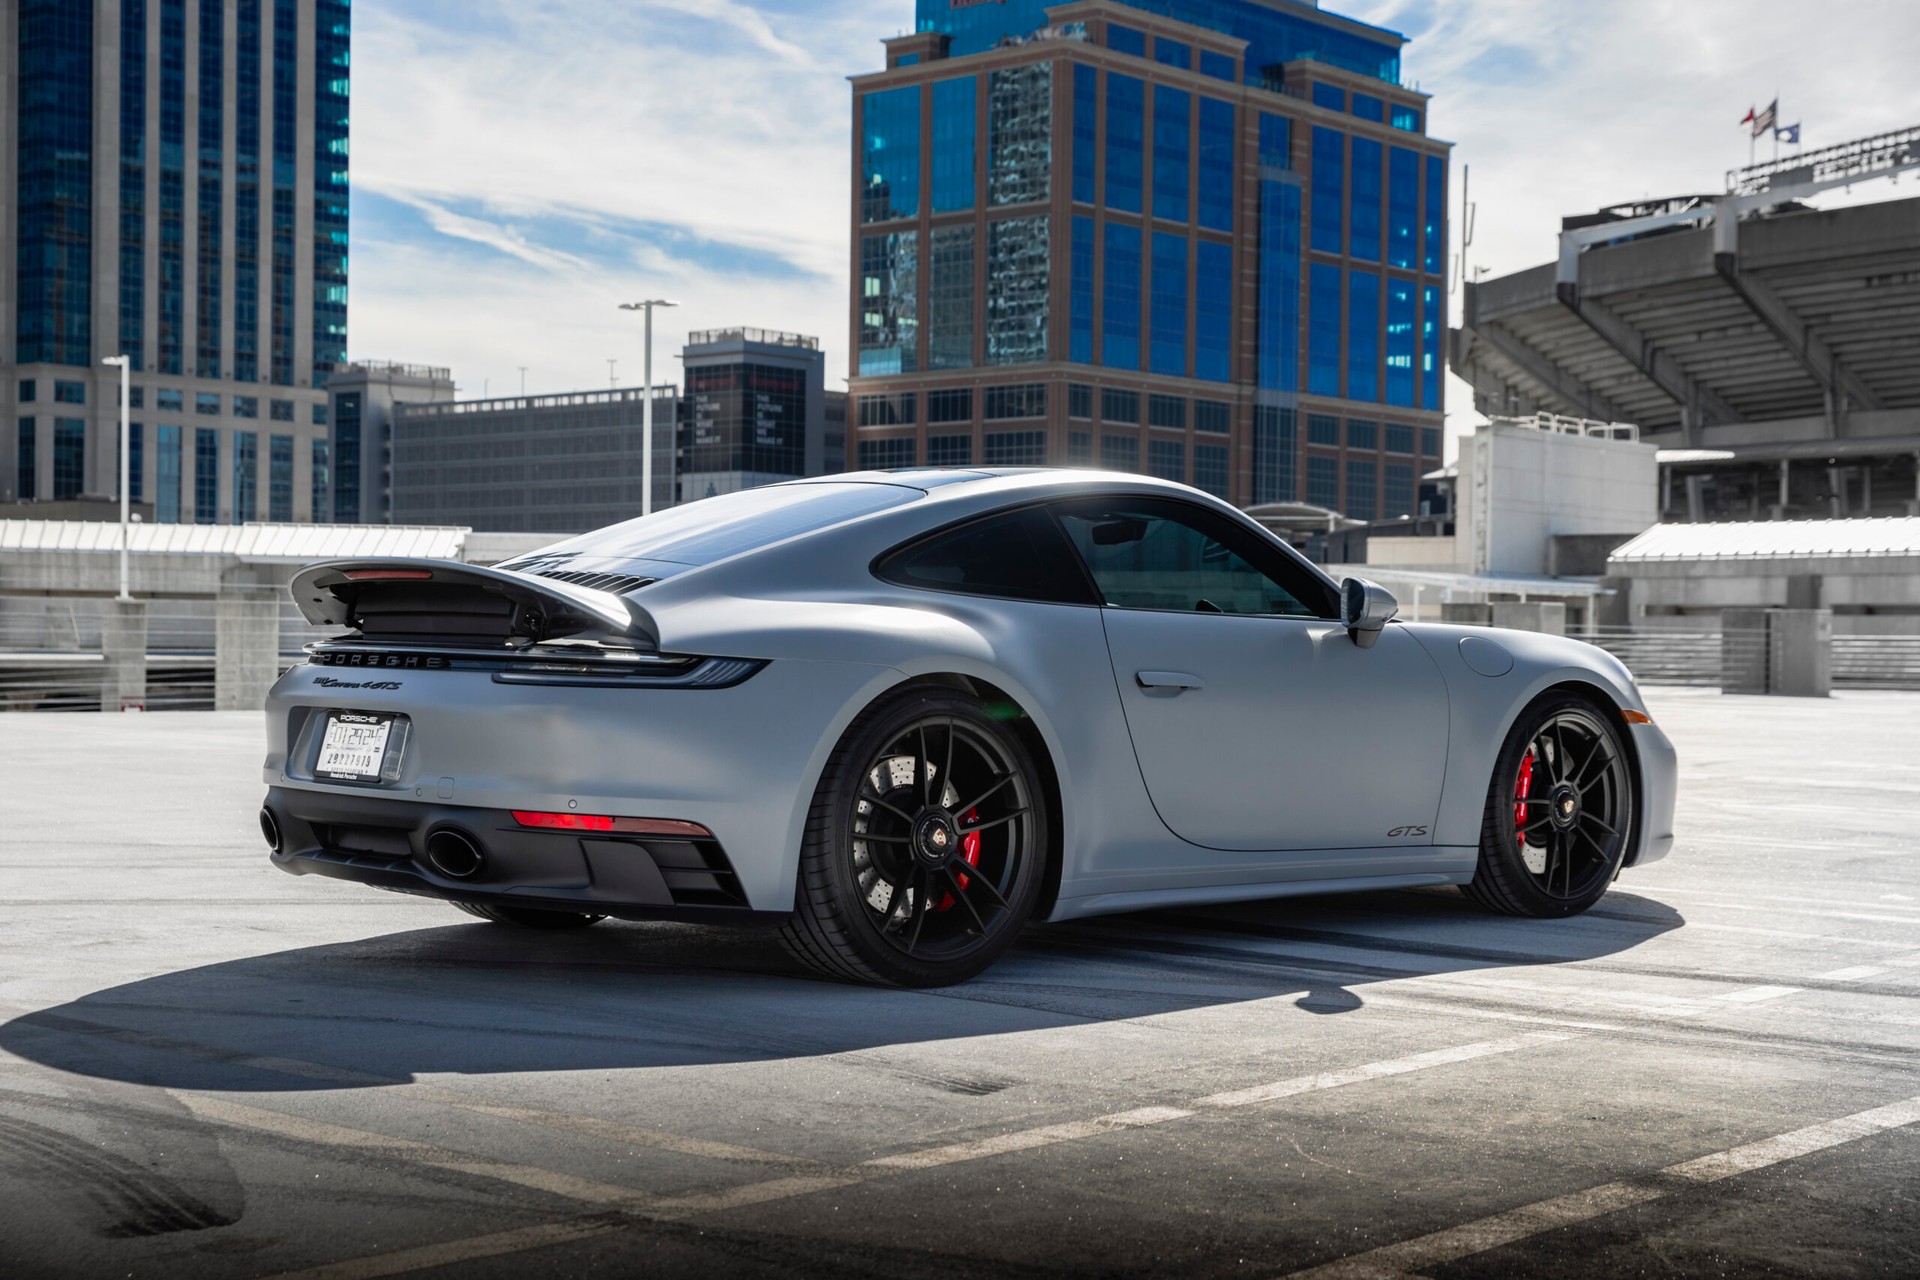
270	828
454	855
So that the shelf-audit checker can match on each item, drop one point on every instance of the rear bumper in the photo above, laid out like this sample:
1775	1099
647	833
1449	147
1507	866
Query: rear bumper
383	842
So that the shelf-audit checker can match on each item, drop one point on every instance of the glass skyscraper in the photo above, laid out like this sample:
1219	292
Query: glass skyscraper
176	191
1202	239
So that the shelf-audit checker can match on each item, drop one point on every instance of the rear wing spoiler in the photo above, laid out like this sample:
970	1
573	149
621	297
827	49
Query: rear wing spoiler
331	594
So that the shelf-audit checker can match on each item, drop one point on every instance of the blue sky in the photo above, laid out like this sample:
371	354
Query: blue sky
520	167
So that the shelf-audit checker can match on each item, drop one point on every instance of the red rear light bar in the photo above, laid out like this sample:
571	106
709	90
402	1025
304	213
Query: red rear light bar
668	827
388	575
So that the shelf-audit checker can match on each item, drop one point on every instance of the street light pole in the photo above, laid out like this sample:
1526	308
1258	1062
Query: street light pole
126	478
646	401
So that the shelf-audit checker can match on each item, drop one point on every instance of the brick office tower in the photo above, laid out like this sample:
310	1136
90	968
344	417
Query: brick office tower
173	187
1203	239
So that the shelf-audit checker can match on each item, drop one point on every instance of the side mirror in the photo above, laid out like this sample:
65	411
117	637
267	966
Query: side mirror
1365	609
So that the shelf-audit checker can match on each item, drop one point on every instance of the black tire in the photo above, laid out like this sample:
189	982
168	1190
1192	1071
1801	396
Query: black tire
529	917
903	880
1559	813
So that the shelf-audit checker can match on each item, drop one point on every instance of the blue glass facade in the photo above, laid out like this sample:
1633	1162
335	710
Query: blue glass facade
1167	344
1126	138
1279	325
332	28
1323	329
890	133
955	127
1363	335
286	100
1329	190
1172	121
1086	131
1120	316
1218	162
206	475
1364	201
1400	342
208	136
170	356
280	478
54	173
166	475
1213	312
1080	294
246	194
133	181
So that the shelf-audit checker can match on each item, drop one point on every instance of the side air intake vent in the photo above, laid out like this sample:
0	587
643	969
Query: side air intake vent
617	583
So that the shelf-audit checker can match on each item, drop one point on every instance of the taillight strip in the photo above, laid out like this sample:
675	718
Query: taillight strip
668	827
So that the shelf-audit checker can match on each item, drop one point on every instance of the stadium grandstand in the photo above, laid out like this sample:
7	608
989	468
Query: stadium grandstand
1770	349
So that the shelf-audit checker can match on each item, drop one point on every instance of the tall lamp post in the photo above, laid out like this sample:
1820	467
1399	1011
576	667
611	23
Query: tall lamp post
646	402
126	479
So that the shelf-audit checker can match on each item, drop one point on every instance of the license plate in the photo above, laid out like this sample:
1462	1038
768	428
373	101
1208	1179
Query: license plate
353	747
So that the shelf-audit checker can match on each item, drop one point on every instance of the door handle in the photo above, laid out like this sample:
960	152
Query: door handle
1174	680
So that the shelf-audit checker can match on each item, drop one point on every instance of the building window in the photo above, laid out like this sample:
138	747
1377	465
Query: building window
1217	152
1429	442
246	406
166	475
206	475
280	478
949	451
1397	491
1120	453
51	99
954	130
330	102
1126	141
65	392
1323	482
1022	400
69	458
1079	400
1399	438
1400	342
1172	53
1323	429
1212	415
1080	297
890	154
279	410
1405	117
1210	469
1086	136
887	411
1126	40
1120	308
1117	406
1218	65
1015	449
950	298
246	476
136	397
169	401
1167	411
1017	284
346	458
1330	96
210	233
1020	134
1329	190
1279	301
136	462
889	307
1434	231
1172	112
1403	207
1167	460
27	391
206	403
320	413
1323	330
882	455
26	469
1368	107
1363	435
321	479
1430	347
1274	448
952	405
1363	335
1365	197
1362	500
1080	448
1167	343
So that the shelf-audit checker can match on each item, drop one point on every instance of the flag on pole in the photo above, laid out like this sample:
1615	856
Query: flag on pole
1788	133
1763	121
1747	119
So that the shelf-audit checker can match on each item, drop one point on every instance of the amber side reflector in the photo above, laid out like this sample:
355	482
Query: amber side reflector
666	827
1636	717
388	575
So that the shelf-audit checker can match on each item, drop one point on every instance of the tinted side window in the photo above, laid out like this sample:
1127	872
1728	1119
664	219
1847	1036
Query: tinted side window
1148	553
1020	555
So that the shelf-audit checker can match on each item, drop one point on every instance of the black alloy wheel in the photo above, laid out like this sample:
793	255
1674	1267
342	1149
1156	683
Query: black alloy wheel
925	845
529	917
1559	811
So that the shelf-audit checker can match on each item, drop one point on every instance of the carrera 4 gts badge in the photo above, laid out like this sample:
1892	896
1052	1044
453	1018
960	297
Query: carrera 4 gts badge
328	682
1398	832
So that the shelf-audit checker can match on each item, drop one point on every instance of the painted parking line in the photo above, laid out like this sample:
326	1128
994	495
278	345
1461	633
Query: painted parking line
470	1249
1853	973
1410	1257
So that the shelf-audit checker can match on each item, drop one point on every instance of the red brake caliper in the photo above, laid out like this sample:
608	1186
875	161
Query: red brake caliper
1522	784
969	849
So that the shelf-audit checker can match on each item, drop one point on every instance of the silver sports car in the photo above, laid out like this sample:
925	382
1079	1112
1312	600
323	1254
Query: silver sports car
901	714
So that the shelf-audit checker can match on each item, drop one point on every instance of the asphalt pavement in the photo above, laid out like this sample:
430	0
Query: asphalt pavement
212	1069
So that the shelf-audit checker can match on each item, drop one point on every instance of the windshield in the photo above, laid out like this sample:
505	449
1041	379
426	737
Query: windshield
711	529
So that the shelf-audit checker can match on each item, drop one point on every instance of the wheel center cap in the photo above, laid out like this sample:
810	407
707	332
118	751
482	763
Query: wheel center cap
1565	805
935	838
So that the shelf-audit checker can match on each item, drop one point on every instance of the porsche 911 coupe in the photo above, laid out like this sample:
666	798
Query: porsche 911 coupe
901	714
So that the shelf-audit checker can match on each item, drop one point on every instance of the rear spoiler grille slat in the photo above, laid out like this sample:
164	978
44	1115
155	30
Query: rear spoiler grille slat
463	601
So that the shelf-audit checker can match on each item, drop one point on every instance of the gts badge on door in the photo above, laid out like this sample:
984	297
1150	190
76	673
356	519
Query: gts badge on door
1399	832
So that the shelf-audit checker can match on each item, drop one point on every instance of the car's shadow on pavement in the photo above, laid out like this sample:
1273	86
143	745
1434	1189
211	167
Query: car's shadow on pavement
480	999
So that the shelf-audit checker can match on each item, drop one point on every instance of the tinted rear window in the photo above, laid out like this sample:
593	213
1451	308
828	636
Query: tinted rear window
711	529
1019	555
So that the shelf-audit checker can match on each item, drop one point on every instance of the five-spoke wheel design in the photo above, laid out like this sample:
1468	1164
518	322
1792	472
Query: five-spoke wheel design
1559	811
926	846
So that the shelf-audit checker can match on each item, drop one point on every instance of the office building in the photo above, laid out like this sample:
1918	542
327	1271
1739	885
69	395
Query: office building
175	190
361	399
541	464
1203	239
756	412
